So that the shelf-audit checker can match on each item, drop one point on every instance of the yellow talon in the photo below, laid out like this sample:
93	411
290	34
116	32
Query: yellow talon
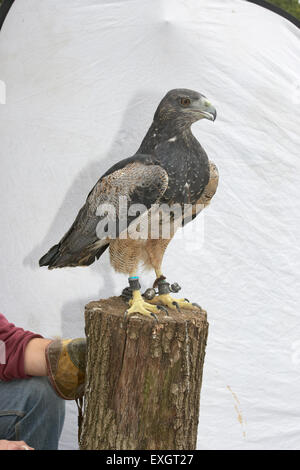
138	305
170	302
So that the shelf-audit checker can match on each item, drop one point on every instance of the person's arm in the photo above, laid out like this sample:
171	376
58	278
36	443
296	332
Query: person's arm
35	358
14	342
28	354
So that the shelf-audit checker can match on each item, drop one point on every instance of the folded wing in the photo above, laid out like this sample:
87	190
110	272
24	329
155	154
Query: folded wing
134	183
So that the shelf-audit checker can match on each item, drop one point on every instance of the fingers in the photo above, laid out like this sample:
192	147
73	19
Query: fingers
14	445
23	446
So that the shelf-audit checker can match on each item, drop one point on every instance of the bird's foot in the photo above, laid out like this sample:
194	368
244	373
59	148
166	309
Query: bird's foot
164	298
138	305
172	303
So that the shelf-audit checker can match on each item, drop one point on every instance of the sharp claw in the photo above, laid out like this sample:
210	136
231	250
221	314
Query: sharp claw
187	300
177	306
154	316
196	305
164	309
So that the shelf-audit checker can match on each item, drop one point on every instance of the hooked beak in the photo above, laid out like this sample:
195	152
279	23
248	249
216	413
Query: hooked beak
207	110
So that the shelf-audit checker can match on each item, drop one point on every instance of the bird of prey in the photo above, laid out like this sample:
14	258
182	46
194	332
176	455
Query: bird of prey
170	167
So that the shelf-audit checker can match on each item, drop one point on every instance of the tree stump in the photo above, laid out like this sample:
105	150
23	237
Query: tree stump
143	378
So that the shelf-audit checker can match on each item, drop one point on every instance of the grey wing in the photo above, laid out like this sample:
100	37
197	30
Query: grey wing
98	220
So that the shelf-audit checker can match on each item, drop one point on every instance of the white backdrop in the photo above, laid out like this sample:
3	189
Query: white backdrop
83	80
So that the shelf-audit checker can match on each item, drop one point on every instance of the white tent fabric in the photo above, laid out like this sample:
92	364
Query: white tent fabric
83	79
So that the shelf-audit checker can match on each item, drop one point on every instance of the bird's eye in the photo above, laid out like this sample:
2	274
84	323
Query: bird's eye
185	101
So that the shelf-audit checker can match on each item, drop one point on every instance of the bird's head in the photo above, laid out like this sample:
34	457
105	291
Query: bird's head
185	107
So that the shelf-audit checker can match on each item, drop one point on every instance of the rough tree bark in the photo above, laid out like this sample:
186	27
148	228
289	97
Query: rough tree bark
143	378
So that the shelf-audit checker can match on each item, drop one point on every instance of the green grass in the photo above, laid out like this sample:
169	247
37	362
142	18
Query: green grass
291	6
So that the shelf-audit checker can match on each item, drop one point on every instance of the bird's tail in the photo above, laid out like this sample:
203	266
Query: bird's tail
55	258
49	257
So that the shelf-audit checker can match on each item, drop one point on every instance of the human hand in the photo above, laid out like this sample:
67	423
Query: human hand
66	360
14	445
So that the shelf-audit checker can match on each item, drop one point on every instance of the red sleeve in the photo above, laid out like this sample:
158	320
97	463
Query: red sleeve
13	342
